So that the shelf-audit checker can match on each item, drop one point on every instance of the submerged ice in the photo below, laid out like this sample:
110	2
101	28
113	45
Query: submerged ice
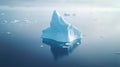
60	30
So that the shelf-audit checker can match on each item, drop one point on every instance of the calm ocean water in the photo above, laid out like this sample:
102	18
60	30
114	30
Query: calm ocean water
21	45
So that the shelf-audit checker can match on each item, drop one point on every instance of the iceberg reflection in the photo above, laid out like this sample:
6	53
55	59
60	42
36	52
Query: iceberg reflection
61	49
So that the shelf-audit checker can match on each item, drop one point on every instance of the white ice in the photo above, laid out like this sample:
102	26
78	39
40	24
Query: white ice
60	30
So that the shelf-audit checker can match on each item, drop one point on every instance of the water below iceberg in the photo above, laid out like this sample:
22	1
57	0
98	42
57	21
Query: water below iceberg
21	45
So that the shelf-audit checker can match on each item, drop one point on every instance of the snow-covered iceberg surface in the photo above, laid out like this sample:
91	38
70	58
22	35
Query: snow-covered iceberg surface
60	30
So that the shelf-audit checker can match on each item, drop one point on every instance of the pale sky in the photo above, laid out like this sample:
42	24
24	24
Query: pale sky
108	3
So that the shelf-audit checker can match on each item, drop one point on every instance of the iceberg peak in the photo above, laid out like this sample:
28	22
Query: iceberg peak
57	20
55	13
60	30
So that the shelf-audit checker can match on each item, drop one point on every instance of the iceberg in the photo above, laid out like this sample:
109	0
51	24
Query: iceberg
60	30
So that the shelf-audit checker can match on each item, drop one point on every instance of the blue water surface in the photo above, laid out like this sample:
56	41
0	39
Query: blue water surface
21	44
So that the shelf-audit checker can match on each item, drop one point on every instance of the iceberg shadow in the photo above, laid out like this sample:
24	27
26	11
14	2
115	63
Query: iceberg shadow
61	49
